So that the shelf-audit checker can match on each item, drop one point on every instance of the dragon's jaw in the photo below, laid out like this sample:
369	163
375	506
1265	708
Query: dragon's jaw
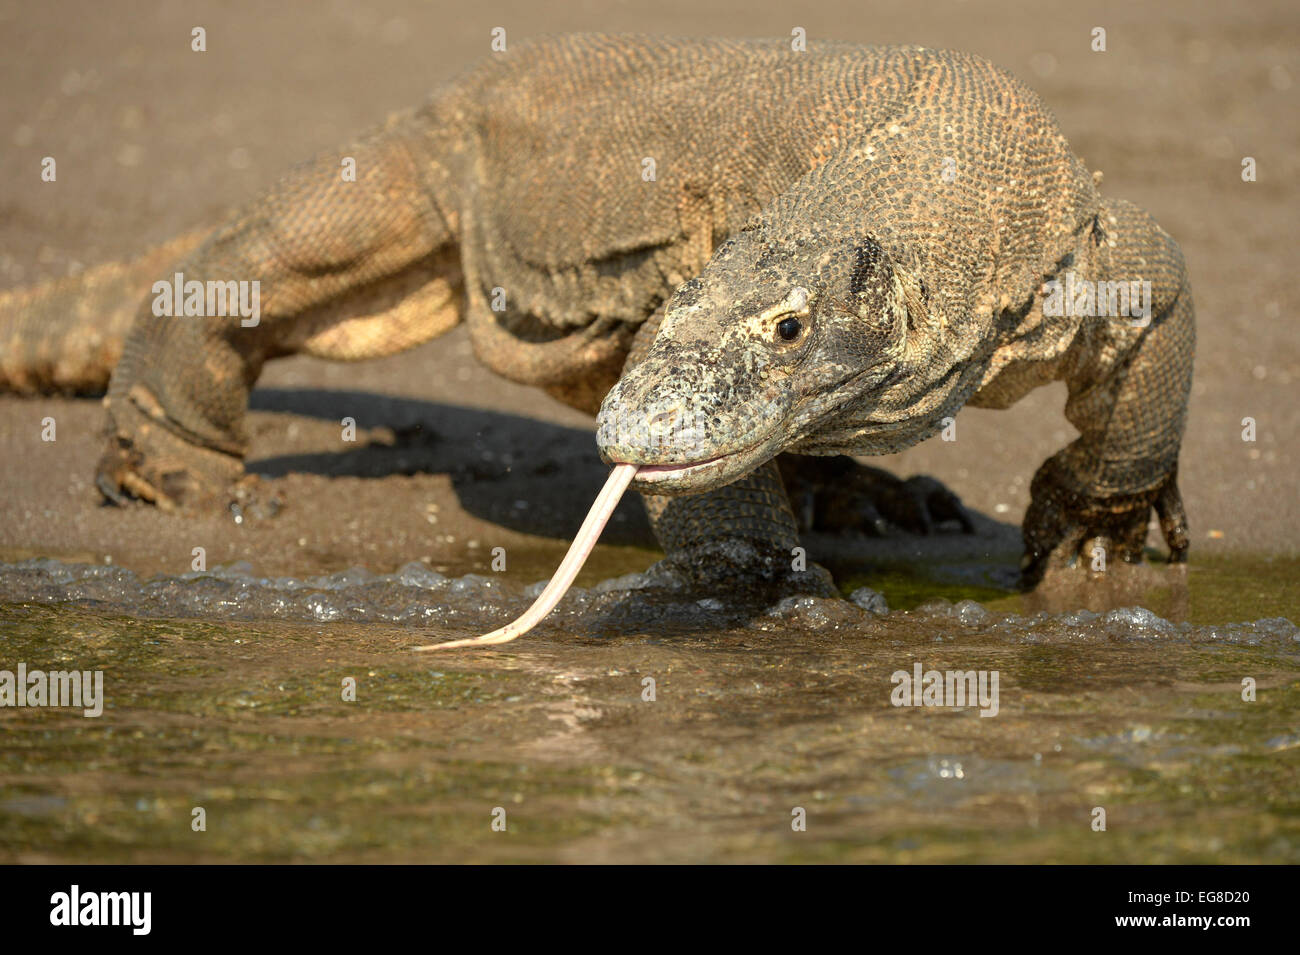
696	477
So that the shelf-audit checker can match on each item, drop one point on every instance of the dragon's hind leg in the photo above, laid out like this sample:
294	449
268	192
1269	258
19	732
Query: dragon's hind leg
837	494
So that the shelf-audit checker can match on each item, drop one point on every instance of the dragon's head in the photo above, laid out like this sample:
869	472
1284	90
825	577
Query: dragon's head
812	344
815	344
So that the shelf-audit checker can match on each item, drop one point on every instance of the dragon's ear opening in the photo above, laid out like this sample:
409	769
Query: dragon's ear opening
889	295
872	271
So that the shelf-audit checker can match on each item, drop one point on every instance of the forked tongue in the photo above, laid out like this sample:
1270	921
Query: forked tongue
579	550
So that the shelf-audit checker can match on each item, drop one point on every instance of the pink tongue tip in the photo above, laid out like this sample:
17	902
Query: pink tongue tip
577	555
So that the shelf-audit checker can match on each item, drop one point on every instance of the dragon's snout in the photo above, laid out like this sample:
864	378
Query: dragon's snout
647	422
688	426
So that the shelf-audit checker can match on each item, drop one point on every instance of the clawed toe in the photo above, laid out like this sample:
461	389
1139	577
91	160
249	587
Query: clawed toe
159	468
1071	526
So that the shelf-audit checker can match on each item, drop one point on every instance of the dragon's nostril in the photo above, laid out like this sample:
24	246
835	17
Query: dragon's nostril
663	420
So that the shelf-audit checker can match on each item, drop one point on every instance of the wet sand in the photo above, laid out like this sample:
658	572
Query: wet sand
153	139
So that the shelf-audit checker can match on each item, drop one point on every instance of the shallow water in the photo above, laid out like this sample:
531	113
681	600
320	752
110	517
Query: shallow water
224	691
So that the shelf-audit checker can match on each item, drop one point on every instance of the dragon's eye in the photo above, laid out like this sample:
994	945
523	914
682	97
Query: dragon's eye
789	329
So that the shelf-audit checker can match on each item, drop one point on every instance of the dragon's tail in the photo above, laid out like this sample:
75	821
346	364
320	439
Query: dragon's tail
66	336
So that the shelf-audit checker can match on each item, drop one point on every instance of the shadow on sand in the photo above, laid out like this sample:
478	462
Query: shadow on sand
496	461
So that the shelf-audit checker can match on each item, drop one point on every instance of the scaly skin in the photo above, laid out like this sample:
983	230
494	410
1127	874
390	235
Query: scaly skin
66	336
905	204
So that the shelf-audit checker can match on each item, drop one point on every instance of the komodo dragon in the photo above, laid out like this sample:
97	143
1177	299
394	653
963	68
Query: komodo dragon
758	250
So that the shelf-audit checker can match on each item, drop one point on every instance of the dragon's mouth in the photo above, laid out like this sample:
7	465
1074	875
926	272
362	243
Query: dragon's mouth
695	477
648	474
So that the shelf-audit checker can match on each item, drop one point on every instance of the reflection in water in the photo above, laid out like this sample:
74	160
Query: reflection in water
1122	585
224	690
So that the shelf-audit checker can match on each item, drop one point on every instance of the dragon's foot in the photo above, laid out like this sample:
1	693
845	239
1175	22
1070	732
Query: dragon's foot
727	583
734	569
1065	525
836	494
148	461
732	572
